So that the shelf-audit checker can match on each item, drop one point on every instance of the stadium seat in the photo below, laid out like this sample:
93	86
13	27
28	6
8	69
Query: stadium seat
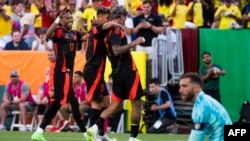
16	122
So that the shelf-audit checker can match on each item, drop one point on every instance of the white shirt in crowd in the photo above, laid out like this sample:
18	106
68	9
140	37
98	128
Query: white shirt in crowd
41	47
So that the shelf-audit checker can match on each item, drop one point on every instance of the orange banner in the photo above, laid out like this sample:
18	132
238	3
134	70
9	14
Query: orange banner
31	66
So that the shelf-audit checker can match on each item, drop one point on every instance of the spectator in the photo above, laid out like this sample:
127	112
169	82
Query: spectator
208	12
63	4
81	4
164	105
17	95
77	19
38	19
164	7
43	98
179	14
113	3
106	3
208	116
148	26
90	13
41	44
5	20
154	5
195	10
210	74
16	43
27	25
139	10
80	93
17	8
246	15
48	12
131	6
227	15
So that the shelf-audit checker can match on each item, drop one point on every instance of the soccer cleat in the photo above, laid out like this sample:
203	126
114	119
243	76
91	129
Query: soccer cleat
92	133
133	139
37	137
104	138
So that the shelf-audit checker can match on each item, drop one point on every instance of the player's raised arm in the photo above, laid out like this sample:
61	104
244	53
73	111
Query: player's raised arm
52	28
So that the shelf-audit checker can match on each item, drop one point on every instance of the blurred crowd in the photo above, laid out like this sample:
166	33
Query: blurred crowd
23	23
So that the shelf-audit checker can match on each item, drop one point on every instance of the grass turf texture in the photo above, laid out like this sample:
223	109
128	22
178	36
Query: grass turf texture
77	136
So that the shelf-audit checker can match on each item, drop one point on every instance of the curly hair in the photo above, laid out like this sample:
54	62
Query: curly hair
117	12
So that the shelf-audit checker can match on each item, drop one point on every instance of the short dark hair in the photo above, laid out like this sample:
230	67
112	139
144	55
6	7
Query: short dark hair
103	10
193	76
117	12
79	73
15	30
146	2
66	9
208	53
42	31
16	2
155	81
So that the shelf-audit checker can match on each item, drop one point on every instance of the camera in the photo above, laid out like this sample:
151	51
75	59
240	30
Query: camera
150	100
147	105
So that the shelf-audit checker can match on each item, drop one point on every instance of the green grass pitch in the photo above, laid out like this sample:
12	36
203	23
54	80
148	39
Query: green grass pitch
77	136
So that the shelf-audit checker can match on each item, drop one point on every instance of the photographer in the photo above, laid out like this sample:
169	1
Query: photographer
164	106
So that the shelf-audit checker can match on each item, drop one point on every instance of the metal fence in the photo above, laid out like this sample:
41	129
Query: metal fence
167	59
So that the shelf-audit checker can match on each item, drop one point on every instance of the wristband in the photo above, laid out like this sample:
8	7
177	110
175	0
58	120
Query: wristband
57	21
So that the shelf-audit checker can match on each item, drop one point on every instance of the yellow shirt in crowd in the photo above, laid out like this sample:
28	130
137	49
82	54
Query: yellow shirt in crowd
197	17
180	16
88	15
5	26
77	15
165	10
216	3
38	20
225	21
134	4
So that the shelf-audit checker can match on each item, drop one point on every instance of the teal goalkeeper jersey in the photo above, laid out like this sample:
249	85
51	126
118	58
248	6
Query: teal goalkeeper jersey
209	118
